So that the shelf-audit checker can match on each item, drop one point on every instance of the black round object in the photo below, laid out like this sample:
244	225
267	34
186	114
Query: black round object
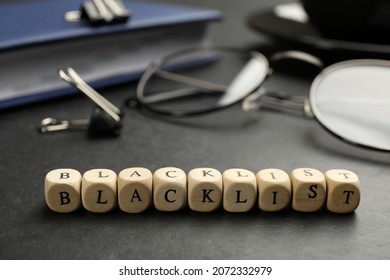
362	20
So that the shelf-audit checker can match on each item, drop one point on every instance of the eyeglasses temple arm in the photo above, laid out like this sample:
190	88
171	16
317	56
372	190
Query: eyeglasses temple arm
262	98
297	55
276	100
191	81
169	95
182	92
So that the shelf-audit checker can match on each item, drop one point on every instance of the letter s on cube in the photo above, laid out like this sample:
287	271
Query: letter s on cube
308	189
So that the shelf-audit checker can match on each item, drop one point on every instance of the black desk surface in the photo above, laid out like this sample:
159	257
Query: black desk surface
230	138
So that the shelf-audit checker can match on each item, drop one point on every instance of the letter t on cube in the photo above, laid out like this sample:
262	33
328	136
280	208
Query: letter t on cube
343	191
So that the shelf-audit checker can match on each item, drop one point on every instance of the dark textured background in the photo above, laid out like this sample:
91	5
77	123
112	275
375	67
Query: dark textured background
230	138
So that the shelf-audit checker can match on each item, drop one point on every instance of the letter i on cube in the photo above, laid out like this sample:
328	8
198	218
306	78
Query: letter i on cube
274	189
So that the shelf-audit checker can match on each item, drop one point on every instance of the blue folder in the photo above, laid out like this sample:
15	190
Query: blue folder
35	41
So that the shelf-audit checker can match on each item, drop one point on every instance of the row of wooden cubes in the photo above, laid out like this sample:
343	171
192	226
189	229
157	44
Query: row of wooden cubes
134	190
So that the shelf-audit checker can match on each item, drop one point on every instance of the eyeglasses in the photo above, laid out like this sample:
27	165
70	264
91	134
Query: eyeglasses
350	99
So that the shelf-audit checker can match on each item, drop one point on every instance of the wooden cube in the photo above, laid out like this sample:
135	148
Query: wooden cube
62	190
309	189
274	189
239	190
343	191
169	189
204	189
99	190
135	187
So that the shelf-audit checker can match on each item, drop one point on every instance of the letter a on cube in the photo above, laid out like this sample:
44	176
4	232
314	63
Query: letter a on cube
135	187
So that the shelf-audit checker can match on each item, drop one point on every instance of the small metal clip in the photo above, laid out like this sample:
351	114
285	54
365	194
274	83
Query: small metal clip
51	124
98	12
105	119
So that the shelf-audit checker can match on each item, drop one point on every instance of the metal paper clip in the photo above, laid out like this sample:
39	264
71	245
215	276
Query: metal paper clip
98	12
105	119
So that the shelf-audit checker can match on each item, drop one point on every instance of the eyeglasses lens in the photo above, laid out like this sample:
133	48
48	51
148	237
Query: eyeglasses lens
202	80
352	100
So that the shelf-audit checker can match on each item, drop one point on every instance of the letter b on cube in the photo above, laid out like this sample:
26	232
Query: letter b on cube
62	190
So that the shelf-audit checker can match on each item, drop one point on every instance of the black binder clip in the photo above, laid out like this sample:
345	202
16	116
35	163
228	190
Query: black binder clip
106	118
100	12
